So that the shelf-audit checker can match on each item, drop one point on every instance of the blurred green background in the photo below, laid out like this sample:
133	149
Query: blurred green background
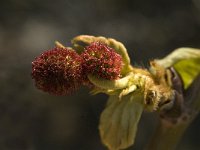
33	120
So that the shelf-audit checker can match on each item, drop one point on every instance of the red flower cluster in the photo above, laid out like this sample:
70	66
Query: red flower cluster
60	71
57	71
101	60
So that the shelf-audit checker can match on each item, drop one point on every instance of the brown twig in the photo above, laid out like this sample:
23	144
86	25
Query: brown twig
175	121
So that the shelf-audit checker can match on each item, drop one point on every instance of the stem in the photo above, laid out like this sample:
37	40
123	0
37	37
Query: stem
173	125
193	95
167	136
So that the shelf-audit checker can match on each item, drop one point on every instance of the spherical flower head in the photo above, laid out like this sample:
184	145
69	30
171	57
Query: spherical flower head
57	71
102	61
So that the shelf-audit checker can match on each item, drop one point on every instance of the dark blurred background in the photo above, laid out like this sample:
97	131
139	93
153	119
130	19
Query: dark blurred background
33	120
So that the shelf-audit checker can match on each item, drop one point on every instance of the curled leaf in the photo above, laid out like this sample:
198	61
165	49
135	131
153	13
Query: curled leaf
58	44
128	90
186	62
111	84
119	120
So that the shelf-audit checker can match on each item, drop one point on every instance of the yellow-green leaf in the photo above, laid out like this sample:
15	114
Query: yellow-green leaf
119	120
186	61
111	84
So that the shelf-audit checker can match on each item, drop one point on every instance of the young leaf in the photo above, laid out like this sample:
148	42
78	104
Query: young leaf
119	120
186	62
111	84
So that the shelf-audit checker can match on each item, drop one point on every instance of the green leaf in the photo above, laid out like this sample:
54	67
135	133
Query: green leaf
189	72
186	61
119	120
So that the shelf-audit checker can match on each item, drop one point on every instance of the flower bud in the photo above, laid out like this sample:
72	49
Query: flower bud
57	71
102	61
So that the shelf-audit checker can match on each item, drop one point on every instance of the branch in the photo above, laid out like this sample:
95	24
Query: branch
175	121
